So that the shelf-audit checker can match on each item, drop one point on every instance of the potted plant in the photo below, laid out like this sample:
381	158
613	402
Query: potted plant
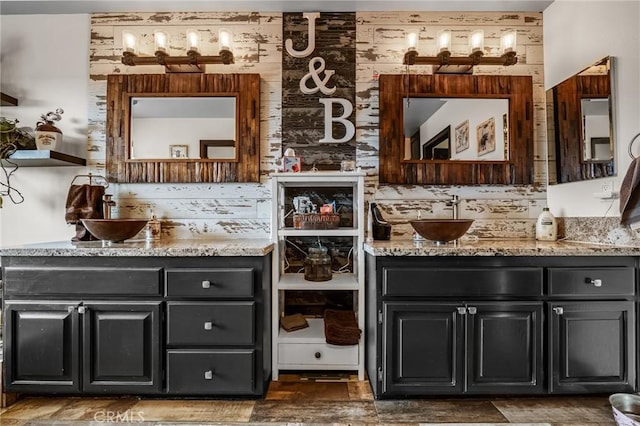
47	134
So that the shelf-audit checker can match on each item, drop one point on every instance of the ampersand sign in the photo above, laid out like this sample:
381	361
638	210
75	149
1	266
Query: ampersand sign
314	73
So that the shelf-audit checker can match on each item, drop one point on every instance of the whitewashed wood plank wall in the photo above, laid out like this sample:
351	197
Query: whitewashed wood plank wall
242	210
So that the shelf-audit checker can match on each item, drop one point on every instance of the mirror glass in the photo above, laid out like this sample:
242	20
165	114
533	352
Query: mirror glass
456	129
596	129
202	127
580	125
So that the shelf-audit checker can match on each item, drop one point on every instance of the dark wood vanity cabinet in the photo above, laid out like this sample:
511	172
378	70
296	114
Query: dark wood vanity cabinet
182	326
490	325
592	343
96	347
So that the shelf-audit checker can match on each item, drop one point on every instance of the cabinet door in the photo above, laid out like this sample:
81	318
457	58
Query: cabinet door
121	347
423	344
41	347
504	347
592	347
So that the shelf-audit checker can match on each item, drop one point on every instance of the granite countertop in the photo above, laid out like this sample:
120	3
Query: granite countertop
496	247
167	248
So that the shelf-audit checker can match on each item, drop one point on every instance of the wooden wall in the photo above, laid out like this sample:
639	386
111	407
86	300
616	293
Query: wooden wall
504	211
194	210
204	210
303	116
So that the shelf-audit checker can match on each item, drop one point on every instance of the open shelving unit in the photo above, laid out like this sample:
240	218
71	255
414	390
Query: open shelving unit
306	349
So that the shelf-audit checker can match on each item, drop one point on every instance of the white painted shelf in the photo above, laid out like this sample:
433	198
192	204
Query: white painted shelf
306	349
312	334
337	282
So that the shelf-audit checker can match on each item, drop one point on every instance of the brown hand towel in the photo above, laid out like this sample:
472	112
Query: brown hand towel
293	322
630	194
341	327
84	202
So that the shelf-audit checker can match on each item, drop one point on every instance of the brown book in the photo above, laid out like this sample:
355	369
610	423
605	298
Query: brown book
293	322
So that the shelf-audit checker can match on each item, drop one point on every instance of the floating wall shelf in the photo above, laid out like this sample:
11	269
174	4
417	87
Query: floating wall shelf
43	158
6	100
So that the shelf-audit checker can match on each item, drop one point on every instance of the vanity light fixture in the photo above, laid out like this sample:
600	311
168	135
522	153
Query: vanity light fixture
191	62
445	63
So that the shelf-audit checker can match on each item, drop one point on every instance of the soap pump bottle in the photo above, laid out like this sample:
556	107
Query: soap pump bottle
417	237
152	231
546	226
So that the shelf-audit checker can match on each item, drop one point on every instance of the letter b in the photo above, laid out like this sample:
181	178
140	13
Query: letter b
350	129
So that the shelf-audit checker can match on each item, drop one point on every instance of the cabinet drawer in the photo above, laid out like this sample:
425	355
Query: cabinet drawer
210	323
212	283
465	282
204	372
321	354
597	282
85	281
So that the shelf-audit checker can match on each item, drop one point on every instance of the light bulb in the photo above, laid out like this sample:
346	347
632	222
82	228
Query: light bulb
161	41
476	41
193	40
444	41
129	42
224	39
508	42
412	41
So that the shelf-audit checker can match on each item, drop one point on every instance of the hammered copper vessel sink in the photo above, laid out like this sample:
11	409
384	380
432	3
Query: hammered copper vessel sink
441	230
114	230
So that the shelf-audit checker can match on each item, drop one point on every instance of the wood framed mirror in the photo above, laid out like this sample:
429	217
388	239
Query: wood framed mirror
580	125
222	106
514	130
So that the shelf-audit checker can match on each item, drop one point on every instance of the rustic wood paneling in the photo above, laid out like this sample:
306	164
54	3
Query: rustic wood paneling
518	169
303	116
246	89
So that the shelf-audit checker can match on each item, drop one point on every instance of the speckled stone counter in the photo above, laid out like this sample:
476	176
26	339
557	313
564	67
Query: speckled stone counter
490	247
168	248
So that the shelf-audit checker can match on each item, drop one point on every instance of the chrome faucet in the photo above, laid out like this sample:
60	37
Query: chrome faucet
107	204
453	203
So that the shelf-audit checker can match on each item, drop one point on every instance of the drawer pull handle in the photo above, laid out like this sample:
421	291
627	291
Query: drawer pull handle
462	310
206	284
596	283
208	375
208	325
318	355
559	310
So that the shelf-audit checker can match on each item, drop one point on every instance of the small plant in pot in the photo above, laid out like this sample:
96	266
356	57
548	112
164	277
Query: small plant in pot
47	134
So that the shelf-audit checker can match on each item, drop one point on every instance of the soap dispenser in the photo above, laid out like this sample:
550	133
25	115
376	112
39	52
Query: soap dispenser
152	231
546	226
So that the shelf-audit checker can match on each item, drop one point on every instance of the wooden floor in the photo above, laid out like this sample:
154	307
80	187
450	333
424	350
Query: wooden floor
306	401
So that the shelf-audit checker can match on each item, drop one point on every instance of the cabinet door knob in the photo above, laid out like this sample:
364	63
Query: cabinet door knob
462	310
472	310
318	355
206	284
558	310
594	282
82	309
71	309
208	375
208	325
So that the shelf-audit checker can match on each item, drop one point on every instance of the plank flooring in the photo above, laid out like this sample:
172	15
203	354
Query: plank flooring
301	401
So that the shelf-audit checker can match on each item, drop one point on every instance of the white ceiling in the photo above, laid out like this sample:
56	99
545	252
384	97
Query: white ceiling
12	7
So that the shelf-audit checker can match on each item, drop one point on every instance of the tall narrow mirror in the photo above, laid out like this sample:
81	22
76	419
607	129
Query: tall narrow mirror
580	125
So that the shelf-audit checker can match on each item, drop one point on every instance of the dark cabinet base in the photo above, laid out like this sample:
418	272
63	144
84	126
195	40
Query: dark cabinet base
134	325
500	325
